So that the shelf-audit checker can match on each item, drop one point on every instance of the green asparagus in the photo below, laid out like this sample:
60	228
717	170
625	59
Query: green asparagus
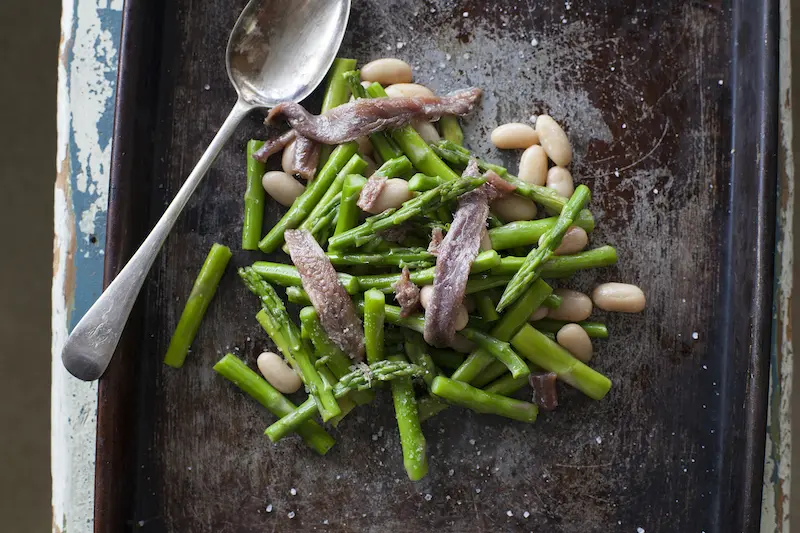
306	202
253	199
374	304
397	257
420	182
547	354
525	232
534	263
593	329
559	265
348	208
415	458
392	217
203	290
286	336
333	195
336	93
451	130
465	395
288	276
381	141
362	378
234	370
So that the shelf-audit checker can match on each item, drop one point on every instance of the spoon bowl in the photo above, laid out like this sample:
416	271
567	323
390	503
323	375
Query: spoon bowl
275	53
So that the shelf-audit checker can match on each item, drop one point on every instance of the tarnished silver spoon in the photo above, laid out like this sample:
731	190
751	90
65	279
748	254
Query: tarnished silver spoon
277	51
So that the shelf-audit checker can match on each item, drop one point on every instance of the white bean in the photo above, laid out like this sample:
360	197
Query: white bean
364	146
575	240
554	140
425	294
462	317
486	242
514	135
408	90
577	342
560	180
287	158
282	187
427	131
387	71
533	165
539	314
513	207
393	194
278	373
575	306
621	297
371	166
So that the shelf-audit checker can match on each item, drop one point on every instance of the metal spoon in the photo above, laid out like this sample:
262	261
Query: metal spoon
276	52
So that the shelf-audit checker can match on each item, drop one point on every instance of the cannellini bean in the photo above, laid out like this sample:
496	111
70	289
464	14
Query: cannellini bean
394	193
575	306
554	140
425	294
371	166
462	317
577	342
287	158
560	180
282	187
408	90
278	373
538	314
513	207
426	130
364	146
387	71
575	240
620	297
514	135
486	242
533	165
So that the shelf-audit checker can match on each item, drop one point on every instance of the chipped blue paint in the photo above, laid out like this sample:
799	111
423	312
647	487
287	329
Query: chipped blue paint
88	259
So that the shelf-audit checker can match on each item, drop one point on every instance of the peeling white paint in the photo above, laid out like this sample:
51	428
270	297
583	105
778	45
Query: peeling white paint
84	95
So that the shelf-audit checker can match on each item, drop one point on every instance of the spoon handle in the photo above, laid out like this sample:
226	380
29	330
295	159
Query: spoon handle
92	343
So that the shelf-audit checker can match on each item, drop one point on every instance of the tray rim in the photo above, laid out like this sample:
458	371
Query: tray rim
754	68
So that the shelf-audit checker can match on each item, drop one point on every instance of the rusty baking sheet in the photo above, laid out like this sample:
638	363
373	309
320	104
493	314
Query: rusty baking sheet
671	109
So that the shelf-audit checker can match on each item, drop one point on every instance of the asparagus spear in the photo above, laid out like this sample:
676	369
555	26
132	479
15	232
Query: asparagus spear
420	182
417	353
338	361
397	257
451	131
286	336
486	307
362	378
547	354
336	93
412	440
491	372
234	370
355	165
392	217
374	303
253	199
385	282
288	276
203	290
526	232
348	210
559	265
534	263
381	141
594	329
306	202
448	359
551	200
465	395
417	150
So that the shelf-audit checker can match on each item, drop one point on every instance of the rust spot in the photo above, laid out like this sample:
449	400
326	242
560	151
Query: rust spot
62	183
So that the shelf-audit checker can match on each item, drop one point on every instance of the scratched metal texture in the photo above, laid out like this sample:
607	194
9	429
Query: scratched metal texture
645	94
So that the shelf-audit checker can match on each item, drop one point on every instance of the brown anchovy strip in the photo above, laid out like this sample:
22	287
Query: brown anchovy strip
336	311
273	146
436	240
456	253
407	294
544	390
370	192
306	157
369	115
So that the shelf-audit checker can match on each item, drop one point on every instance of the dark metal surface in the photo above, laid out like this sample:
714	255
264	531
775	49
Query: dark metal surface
684	190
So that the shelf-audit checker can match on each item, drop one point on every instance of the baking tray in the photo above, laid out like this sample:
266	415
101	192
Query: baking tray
671	107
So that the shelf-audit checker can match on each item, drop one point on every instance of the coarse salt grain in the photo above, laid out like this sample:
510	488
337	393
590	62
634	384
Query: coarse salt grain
695	335
293	491
477	491
526	514
534	41
428	497
509	513
269	508
400	45
466	14
291	514
639	530
598	440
